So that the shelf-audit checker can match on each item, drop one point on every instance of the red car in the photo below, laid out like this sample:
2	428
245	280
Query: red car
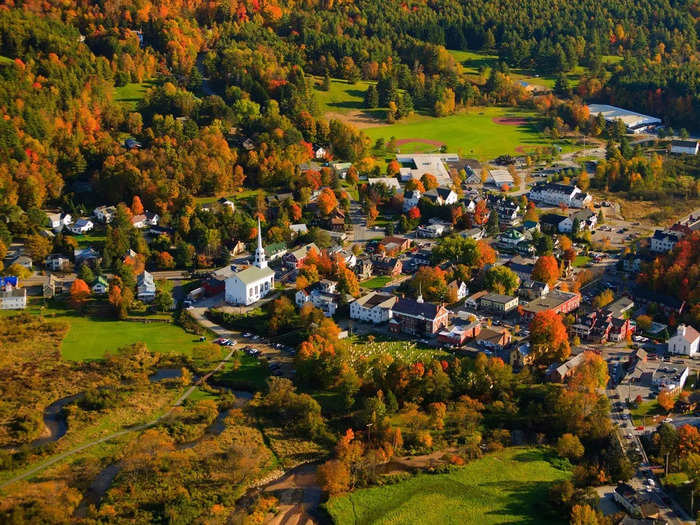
639	428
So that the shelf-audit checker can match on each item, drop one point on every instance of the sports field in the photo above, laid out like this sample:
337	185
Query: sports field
476	132
507	487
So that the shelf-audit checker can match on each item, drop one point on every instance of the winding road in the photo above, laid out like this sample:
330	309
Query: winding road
60	457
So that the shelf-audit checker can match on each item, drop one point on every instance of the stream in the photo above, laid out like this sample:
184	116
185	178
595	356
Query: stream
55	421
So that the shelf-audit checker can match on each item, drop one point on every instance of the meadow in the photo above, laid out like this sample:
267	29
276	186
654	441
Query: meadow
342	97
132	93
471	133
505	487
366	349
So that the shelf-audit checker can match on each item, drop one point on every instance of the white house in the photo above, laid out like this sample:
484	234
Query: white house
410	199
104	214
253	283
460	287
432	231
322	295
320	152
59	220
587	220
685	147
558	194
145	287
441	196
299	229
13	298
685	342
81	226
663	241
56	262
100	286
374	307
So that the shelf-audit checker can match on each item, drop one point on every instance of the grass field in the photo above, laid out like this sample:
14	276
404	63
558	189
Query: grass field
474	63
648	410
132	93
507	487
379	281
581	260
342	96
472	133
411	351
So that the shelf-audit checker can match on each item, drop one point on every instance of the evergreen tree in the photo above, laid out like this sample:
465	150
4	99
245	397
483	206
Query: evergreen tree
371	97
492	226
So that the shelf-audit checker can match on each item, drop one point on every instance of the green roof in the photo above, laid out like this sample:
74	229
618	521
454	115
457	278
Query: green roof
100	280
275	247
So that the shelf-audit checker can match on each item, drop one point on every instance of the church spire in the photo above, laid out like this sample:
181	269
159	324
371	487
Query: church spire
419	299
260	261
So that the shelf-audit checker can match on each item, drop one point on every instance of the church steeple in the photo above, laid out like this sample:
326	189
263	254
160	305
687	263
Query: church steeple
419	299
260	261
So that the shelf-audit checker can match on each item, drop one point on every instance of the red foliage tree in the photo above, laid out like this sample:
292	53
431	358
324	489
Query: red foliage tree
414	213
79	294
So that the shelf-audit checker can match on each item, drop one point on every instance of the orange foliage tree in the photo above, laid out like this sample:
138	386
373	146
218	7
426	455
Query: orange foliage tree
79	294
546	270
327	201
548	337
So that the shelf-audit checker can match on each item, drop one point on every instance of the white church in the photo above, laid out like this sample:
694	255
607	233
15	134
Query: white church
252	284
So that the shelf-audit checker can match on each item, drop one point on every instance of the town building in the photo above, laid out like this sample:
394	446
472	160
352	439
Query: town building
584	219
634	122
556	194
663	241
685	342
494	337
499	303
255	282
391	266
474	300
432	231
685	147
460	331
395	243
375	307
499	178
558	373
459	288
416	317
364	268
389	182
549	222
441	196
556	301
508	211
12	297
415	165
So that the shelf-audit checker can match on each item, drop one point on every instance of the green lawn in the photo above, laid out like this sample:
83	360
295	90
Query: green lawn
507	487
379	281
251	374
342	97
581	260
472	133
646	408
132	93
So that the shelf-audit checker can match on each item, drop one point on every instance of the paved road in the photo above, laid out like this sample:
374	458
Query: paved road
52	461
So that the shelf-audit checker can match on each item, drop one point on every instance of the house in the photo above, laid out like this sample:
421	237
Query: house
11	296
391	266
518	355
556	194
298	229
663	241
100	286
441	196
395	243
459	332
276	250
473	233
104	214
556	301
320	153
59	220
474	300
584	219
138	221
432	231
558	373
416	317
335	221
494	338
81	226
145	287
510	239
363	268
226	203
685	147
341	168
322	295
132	143
549	222
375	307
57	262
458	288
247	286
630	500
349	258
620	329
507	211
531	290
248	144
499	303
24	261
620	306
295	259
85	255
685	342
410	199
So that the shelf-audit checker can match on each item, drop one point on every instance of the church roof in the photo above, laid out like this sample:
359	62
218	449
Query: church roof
253	274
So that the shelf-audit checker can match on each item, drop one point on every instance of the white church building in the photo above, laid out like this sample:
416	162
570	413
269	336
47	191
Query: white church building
252	284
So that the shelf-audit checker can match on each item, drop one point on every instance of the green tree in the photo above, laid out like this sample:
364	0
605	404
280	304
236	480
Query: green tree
500	279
